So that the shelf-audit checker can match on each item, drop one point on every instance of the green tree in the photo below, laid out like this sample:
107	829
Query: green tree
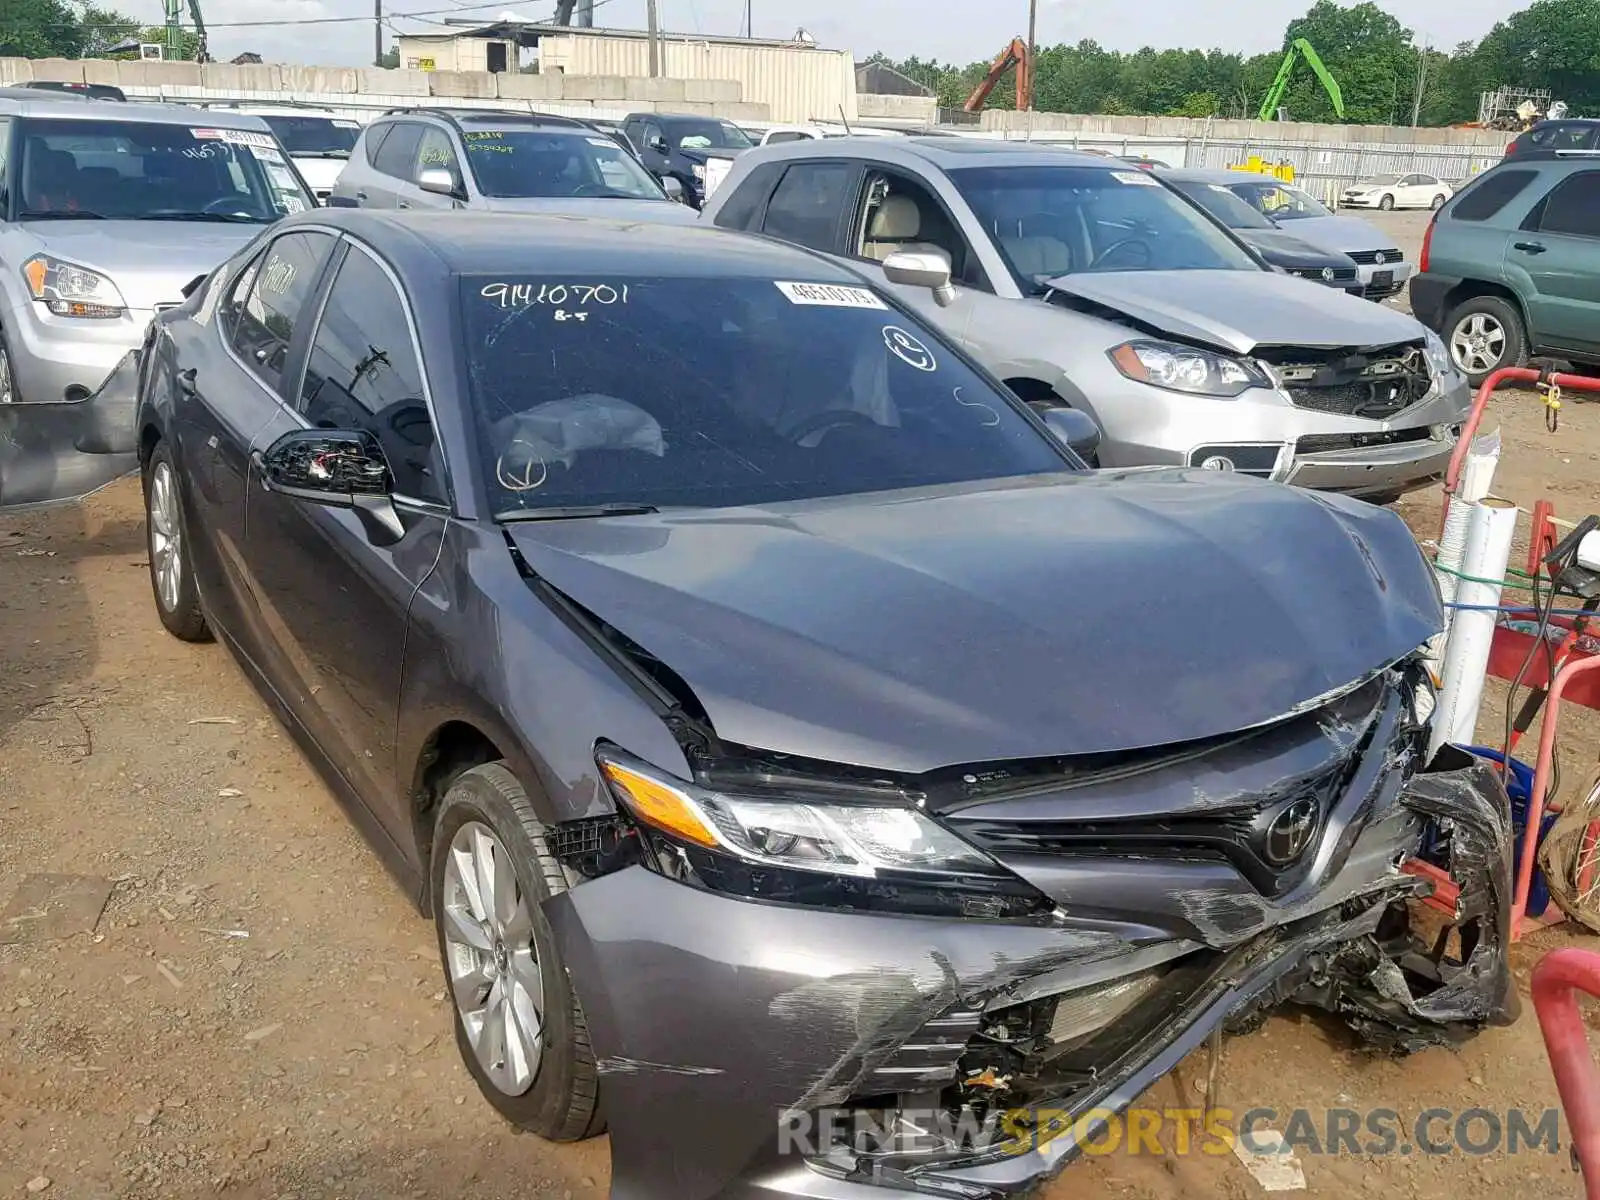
1370	54
1551	44
39	29
102	29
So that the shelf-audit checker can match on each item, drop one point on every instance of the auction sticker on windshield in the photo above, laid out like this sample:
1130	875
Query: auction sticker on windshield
1134	177
830	295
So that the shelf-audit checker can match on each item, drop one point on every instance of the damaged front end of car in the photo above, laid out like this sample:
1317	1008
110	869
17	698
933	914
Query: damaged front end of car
804	980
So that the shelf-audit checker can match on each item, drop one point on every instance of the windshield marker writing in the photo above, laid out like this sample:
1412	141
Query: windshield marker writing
907	349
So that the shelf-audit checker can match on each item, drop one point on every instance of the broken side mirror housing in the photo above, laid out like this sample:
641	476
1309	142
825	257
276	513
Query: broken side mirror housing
1076	430
924	269
336	468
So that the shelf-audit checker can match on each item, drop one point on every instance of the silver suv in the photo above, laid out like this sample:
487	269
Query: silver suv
500	162
110	211
1091	284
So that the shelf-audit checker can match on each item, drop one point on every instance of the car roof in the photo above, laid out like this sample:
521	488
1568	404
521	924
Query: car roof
946	153
53	105
486	116
601	246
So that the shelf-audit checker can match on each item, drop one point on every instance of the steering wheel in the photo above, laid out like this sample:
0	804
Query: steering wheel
221	205
829	419
1110	250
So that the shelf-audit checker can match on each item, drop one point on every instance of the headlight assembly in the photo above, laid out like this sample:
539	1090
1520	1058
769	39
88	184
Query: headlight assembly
1180	368
816	852
68	290
1438	355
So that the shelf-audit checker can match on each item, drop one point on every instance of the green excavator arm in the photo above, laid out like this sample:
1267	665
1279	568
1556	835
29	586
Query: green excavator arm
1298	49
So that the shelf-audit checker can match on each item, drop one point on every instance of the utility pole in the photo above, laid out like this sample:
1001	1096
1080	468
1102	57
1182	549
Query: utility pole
1422	78
654	25
749	22
1033	48
377	33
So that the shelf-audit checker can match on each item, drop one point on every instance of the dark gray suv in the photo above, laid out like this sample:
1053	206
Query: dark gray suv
487	160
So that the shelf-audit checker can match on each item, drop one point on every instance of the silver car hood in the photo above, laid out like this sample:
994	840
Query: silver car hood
1338	233
149	261
1241	310
655	212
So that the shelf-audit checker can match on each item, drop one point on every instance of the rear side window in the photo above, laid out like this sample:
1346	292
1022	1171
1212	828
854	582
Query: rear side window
280	289
374	140
1492	193
398	154
806	207
743	208
1573	208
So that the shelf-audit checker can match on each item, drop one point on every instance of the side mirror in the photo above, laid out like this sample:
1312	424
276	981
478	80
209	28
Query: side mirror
336	468
921	269
656	143
1073	429
438	181
673	186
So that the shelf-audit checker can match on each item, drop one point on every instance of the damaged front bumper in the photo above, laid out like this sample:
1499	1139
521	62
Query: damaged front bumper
740	1044
64	450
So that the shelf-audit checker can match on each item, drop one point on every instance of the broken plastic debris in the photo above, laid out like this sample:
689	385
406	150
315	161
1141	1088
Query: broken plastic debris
229	793
227	933
255	1035
214	721
1272	1164
987	1078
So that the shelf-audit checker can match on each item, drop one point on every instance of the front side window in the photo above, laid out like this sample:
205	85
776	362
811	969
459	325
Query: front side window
315	137
363	373
539	163
1054	221
274	307
808	203
1280	201
1224	205
711	392
147	171
438	153
708	134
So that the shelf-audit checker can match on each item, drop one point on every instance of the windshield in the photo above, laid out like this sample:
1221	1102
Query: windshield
708	135
1224	205
145	171
1278	200
522	163
315	137
710	392
1053	221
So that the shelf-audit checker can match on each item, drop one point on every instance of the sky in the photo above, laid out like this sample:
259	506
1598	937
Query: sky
949	30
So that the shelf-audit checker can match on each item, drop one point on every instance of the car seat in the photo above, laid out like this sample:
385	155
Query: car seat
895	227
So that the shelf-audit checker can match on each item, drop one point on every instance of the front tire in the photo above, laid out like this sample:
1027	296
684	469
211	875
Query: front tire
1387	203
167	545
519	1026
1484	334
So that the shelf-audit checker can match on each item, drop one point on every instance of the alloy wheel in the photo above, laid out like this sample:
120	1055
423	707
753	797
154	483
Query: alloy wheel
490	956
166	537
1478	343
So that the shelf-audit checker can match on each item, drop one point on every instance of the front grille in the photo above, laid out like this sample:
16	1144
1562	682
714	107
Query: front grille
1368	258
1340	277
1323	443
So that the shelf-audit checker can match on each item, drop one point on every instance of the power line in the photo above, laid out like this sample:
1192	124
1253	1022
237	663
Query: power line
284	24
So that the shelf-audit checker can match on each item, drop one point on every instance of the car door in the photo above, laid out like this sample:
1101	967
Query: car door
436	151
228	383
654	150
1554	261
338	597
1417	191
392	166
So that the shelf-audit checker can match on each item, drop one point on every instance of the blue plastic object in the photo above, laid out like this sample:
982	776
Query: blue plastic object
1519	786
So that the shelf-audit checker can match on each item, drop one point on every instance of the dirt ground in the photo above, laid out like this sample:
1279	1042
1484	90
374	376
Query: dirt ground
167	1055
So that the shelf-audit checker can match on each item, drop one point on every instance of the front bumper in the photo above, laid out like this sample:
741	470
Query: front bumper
1365	201
67	358
722	1027
1398	273
56	452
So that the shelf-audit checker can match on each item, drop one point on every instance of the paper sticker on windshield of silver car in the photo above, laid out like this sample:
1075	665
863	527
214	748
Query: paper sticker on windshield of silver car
268	154
247	137
603	143
907	349
1134	177
829	295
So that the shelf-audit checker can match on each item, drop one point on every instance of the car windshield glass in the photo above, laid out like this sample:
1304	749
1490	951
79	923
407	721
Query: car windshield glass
148	171
510	163
325	137
707	135
1279	201
1224	205
709	392
1053	221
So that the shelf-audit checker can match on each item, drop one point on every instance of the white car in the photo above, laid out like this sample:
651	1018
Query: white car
1415	190
319	140
779	134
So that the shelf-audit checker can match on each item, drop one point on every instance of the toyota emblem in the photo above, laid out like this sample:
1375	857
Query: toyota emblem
1379	258
1291	832
1327	274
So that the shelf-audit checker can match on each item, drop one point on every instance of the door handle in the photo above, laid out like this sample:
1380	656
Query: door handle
403	204
1529	247
361	196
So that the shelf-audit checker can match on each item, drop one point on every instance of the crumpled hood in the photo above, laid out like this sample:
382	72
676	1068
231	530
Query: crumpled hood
1240	310
1285	250
658	212
1057	616
149	261
1339	233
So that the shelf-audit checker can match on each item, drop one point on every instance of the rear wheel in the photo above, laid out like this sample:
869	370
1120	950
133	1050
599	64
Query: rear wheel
171	573
1484	334
1438	202
1387	203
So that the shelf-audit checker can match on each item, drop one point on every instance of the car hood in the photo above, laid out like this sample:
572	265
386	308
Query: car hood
1017	619
1338	233
656	212
701	154
1286	250
149	261
1240	310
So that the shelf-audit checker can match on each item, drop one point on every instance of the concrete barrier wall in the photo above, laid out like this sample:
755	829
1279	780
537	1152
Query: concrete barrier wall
1186	129
910	110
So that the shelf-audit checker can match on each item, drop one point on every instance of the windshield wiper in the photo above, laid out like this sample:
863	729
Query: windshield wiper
576	512
224	218
81	214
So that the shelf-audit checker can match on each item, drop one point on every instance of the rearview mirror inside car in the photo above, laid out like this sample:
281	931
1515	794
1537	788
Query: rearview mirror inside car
1074	429
924	269
337	468
673	186
437	180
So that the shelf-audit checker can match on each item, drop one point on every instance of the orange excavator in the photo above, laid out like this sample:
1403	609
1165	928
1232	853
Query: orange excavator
1019	55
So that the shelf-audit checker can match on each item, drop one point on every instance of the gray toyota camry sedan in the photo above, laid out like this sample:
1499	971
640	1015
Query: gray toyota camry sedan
813	772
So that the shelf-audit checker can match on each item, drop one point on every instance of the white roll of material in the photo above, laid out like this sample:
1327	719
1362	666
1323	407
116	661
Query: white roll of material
1477	475
1491	523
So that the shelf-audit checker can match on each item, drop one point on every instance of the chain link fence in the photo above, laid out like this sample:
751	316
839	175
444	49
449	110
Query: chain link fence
1326	169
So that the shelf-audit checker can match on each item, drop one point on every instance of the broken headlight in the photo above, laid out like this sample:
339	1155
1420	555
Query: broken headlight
811	851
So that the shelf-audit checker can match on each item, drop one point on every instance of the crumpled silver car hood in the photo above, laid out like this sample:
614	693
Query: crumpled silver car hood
1240	310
